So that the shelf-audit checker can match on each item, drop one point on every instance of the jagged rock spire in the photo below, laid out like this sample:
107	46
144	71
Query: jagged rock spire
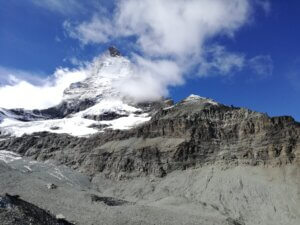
113	51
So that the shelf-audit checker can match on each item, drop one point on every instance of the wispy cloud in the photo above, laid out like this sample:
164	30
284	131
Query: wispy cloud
98	30
170	38
264	4
60	6
167	27
150	78
261	65
293	74
218	61
73	8
9	76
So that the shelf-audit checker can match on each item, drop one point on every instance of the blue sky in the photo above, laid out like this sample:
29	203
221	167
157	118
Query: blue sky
37	37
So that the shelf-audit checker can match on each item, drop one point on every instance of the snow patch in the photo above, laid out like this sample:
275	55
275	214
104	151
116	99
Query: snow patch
170	107
109	106
125	123
28	168
75	126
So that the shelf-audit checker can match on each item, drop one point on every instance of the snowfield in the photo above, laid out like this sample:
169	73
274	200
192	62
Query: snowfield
76	126
109	106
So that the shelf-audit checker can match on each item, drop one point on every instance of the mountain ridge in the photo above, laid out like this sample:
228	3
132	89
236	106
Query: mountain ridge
191	133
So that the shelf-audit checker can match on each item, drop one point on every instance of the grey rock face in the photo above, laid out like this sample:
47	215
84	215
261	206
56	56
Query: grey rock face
22	114
190	134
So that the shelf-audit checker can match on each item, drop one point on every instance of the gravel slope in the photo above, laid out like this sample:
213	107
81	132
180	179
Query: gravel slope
208	195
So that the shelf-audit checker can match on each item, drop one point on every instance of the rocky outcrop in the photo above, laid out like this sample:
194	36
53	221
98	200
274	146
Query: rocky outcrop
190	134
114	52
15	211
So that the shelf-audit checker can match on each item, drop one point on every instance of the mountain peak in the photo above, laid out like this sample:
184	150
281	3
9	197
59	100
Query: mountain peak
193	98
114	52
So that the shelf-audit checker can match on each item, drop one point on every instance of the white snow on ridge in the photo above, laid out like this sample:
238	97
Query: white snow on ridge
75	126
108	106
125	123
193	98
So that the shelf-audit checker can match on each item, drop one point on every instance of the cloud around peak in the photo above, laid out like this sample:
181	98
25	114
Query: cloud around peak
169	39
173	32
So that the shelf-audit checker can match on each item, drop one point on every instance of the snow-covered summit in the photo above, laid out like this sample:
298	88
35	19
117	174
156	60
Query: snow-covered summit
102	75
89	106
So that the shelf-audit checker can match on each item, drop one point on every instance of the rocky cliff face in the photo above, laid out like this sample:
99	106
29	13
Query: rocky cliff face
191	134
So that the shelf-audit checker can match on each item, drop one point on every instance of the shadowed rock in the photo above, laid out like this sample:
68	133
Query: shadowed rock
15	211
109	201
113	51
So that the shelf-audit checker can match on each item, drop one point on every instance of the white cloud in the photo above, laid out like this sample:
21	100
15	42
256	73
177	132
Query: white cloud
150	79
170	34
11	76
96	31
262	65
76	62
169	27
20	92
178	27
172	37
